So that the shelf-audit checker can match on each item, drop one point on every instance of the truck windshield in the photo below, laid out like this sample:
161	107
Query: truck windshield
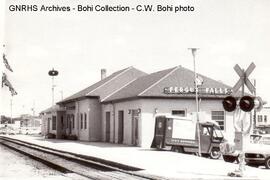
217	132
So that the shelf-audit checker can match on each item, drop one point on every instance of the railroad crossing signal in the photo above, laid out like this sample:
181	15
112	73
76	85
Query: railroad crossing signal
244	78
246	103
229	103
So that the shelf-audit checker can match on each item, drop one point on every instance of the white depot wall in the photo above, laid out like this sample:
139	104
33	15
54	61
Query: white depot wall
151	107
82	107
114	109
94	120
92	108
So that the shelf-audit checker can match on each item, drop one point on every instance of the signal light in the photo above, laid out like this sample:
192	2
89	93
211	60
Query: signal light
229	103
247	103
259	103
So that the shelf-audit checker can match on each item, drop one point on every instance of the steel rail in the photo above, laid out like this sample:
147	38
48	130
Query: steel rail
106	169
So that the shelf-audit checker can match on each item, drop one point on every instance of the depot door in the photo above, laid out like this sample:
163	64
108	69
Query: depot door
69	126
108	126
120	127
48	125
135	128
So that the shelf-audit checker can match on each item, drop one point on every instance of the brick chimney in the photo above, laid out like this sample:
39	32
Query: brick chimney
103	73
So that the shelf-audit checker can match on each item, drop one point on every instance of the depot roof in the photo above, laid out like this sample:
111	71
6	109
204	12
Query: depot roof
177	82
53	108
107	86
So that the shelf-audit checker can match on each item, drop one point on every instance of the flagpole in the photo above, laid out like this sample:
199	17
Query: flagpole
11	110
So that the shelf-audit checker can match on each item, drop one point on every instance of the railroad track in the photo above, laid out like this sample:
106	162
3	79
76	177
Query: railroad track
67	162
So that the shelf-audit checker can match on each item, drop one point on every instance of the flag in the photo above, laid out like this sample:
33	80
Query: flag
4	78
12	90
6	82
6	63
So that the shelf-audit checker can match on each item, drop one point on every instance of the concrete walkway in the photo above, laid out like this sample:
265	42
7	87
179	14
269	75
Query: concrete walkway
161	163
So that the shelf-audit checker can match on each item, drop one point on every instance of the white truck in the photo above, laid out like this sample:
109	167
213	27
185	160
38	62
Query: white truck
180	134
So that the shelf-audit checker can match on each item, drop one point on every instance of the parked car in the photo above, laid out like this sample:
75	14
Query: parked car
7	130
3	130
30	130
259	153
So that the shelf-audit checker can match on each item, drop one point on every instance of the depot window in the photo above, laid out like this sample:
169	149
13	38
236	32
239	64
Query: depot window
265	118
62	122
68	119
72	120
181	113
54	123
219	117
81	120
85	120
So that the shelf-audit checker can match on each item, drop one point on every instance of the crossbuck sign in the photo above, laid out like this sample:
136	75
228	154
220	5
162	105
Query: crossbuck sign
244	78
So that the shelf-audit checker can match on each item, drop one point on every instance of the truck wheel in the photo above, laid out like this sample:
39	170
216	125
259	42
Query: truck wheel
228	158
160	145
215	154
237	159
178	149
267	163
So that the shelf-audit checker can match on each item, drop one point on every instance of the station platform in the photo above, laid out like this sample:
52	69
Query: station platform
169	165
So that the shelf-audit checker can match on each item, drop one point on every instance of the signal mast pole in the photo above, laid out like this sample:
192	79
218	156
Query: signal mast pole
53	73
193	51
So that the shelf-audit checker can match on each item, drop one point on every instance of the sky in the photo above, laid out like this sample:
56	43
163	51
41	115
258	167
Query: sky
79	44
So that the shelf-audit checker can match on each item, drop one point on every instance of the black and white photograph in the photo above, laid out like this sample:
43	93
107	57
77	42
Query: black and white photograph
127	90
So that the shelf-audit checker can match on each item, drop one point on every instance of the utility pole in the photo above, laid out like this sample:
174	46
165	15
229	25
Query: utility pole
254	111
33	108
193	51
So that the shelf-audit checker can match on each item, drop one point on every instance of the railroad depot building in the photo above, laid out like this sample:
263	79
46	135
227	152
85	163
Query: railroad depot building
121	108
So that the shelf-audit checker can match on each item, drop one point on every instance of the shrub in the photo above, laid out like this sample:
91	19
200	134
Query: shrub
72	137
50	136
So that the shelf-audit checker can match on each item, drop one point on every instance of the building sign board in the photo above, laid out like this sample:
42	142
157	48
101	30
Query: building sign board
191	90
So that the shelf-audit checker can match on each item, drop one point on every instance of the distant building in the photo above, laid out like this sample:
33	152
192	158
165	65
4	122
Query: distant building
263	119
121	108
27	120
23	121
50	118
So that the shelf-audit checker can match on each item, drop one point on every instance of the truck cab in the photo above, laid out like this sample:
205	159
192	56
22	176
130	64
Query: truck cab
180	134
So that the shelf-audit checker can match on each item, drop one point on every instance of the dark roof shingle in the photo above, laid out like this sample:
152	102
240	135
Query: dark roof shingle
153	85
107	85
